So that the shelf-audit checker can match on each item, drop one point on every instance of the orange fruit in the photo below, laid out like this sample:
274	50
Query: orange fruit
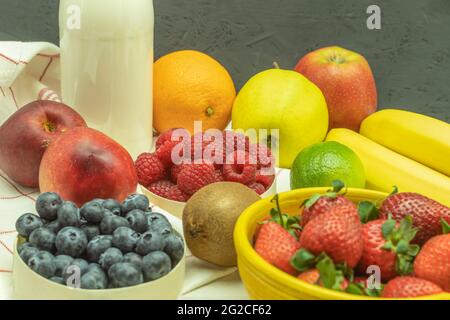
191	86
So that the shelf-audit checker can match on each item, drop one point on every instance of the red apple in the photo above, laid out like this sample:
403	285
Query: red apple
347	82
84	164
25	136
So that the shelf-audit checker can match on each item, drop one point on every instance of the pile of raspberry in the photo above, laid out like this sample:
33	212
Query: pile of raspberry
243	162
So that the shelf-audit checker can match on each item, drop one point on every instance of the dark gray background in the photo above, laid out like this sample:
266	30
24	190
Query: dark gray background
410	56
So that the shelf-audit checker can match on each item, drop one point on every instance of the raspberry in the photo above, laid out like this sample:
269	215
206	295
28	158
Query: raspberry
240	169
266	177
175	171
241	173
193	177
263	155
161	188
166	136
165	153
219	176
257	187
149	169
235	142
175	194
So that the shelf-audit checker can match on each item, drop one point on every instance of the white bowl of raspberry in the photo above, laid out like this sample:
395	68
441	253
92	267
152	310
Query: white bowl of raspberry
169	185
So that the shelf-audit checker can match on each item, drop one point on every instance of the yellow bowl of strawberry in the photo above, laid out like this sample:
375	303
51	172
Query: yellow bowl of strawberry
341	244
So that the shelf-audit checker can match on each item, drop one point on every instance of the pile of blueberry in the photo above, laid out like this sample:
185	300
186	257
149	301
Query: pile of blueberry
107	243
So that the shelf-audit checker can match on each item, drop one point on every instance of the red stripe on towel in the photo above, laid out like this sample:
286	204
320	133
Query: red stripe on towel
14	98
46	69
17	189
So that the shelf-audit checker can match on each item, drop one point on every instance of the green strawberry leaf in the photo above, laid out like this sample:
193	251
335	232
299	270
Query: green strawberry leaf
445	227
413	250
367	211
394	192
328	273
311	201
303	260
387	228
356	289
337	185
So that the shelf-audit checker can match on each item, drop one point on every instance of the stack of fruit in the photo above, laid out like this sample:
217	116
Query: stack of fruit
108	244
400	250
176	174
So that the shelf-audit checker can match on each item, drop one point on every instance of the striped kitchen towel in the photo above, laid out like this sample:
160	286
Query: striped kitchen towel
27	72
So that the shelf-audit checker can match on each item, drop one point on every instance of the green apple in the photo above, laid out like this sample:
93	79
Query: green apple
284	100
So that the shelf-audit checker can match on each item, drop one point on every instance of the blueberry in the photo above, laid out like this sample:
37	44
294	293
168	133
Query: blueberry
94	280
27	252
137	220
96	247
43	239
62	262
47	205
22	246
110	257
135	201
69	215
71	241
174	248
95	267
78	267
156	265
110	223
91	231
133	258
157	222
122	275
27	223
92	212
149	242
53	226
58	280
78	264
113	206
43	263
125	239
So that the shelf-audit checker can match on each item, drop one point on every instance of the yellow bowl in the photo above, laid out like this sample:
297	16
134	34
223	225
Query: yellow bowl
176	208
266	282
28	285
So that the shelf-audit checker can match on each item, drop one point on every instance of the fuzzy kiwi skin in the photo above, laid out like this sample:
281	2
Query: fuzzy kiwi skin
209	219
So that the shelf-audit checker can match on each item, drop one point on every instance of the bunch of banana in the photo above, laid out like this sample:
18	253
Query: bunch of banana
403	149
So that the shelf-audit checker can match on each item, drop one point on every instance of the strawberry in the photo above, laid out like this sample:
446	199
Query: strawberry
276	239
410	287
277	246
387	245
337	233
433	261
320	204
426	213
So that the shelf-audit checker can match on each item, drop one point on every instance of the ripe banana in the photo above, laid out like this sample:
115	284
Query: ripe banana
418	137
386	169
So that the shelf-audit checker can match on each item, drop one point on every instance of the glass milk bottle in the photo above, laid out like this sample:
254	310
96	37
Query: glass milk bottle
107	67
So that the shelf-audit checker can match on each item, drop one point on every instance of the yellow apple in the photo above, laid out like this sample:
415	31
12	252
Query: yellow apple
284	100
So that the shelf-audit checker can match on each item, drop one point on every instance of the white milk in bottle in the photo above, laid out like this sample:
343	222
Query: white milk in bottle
107	66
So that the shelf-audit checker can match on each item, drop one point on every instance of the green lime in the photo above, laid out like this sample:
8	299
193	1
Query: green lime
320	164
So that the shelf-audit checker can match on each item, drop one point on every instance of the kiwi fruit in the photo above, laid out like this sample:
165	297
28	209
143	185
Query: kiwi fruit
209	219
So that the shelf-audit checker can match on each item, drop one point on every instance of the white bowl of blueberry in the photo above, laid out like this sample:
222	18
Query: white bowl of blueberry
103	250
